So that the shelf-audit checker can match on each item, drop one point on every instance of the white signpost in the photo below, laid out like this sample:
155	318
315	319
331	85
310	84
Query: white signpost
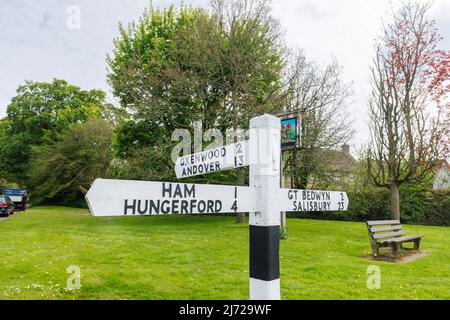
263	199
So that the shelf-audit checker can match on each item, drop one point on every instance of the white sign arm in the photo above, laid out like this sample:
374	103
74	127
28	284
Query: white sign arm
130	198
312	200
213	160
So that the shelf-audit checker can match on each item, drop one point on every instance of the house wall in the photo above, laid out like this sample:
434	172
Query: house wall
442	179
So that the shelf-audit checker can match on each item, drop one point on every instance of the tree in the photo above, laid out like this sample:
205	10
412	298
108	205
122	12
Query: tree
408	121
174	67
252	57
64	170
36	115
155	80
321	97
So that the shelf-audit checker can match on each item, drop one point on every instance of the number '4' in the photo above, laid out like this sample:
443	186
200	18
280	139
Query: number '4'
234	206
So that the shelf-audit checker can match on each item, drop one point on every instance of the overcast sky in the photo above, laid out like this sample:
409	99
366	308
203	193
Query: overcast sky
39	40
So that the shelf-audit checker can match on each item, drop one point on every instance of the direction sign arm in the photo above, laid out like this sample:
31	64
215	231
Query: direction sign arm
312	200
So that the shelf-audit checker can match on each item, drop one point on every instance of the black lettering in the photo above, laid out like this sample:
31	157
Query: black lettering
140	210
167	188
154	207
218	206
165	207
175	204
178	192
210	206
193	206
184	207
189	192
201	206
234	207
132	207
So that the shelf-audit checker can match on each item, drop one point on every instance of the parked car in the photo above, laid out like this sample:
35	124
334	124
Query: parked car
18	196
6	206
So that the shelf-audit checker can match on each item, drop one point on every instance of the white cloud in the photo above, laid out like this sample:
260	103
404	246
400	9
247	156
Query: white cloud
35	43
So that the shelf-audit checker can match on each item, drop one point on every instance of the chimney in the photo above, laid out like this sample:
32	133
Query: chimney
346	149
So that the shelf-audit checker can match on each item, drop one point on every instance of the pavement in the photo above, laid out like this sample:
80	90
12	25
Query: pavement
5	218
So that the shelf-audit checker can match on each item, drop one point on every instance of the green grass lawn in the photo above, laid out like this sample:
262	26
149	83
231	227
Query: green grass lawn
200	257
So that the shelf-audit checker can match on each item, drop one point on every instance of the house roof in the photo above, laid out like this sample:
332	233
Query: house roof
339	159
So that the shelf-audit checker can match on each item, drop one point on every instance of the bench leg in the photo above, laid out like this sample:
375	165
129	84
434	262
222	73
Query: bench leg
375	247
375	250
395	248
416	244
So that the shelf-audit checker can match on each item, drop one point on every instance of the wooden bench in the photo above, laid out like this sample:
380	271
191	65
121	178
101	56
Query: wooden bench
389	233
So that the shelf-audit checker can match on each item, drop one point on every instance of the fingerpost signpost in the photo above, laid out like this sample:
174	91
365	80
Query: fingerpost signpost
263	198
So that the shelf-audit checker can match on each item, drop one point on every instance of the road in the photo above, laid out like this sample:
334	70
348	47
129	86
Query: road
5	218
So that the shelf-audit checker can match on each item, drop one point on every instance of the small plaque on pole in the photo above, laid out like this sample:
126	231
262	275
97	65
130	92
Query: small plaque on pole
290	131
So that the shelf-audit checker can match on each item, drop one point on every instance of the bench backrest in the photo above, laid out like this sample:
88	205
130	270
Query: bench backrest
384	229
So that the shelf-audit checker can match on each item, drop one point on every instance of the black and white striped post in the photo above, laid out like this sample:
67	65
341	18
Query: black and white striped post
265	152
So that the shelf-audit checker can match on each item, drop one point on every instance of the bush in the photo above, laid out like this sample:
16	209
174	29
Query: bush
415	201
439	212
63	171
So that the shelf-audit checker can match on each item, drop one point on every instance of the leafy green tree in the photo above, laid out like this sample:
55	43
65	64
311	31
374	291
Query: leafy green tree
36	115
14	153
176	66
63	171
143	70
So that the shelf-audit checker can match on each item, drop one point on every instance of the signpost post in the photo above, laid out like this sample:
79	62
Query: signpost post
264	198
265	224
